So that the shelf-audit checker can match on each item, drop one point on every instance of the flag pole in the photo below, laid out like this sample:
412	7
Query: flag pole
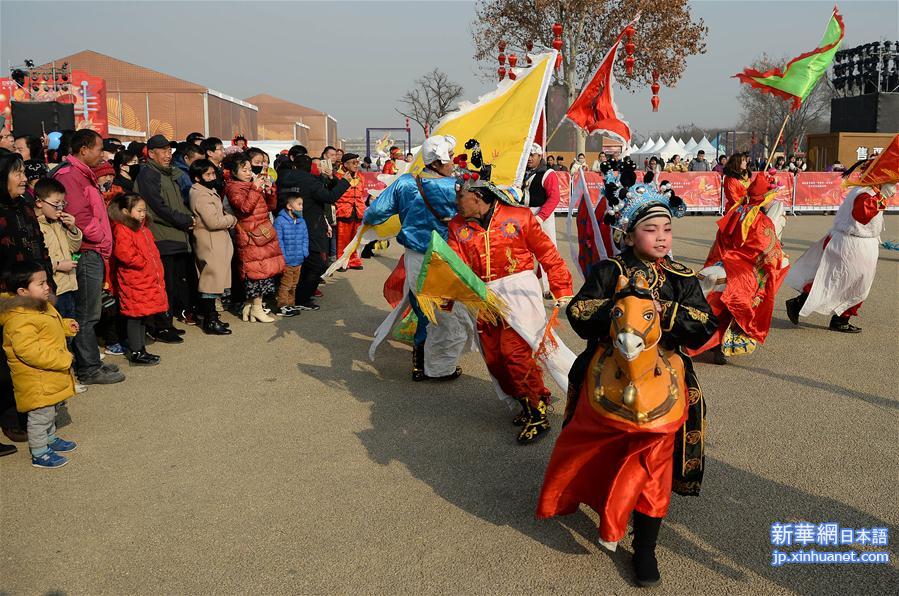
555	130
777	141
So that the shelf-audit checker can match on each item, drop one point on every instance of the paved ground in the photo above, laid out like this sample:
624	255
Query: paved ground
281	460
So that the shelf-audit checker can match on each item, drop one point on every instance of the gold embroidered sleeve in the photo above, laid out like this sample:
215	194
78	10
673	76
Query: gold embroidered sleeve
696	314
585	309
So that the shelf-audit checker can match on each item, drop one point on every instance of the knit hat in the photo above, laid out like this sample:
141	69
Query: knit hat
536	149
35	170
104	169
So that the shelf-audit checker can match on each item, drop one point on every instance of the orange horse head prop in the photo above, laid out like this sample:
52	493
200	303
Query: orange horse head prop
633	380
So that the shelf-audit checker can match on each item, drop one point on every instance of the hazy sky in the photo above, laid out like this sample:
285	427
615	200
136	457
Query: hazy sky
356	59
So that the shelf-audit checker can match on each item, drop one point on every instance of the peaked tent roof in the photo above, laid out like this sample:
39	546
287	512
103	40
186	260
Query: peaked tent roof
691	145
670	149
704	145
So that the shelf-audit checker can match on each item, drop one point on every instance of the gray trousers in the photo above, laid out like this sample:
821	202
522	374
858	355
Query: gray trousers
41	424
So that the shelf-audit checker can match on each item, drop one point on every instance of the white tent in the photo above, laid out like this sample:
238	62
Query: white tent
681	143
658	146
649	144
670	149
704	145
690	147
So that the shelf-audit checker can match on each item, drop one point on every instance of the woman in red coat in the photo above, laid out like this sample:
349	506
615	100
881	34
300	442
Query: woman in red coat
257	243
136	272
736	180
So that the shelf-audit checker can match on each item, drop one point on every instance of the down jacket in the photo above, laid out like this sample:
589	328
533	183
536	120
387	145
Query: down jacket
135	268
251	207
34	339
294	238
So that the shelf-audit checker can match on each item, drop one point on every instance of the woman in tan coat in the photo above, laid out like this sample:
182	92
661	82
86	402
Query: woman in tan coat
212	243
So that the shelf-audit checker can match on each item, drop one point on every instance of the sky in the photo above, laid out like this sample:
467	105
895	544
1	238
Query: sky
355	60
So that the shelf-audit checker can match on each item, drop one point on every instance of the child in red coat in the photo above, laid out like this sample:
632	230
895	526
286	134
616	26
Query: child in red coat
137	273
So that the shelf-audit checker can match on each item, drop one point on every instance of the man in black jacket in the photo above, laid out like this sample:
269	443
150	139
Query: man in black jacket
317	198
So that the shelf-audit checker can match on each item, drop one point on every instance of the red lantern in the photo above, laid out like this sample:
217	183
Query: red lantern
557	43
501	58
529	46
655	91
655	88
629	65
513	60
629	31
501	71
655	103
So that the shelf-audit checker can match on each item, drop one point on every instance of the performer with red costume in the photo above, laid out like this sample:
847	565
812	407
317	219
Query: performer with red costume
836	274
744	271
499	241
615	462
350	207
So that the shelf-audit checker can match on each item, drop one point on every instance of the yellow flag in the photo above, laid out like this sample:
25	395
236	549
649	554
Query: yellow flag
504	122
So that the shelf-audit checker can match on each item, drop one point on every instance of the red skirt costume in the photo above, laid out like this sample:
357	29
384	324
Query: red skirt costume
614	467
509	245
748	249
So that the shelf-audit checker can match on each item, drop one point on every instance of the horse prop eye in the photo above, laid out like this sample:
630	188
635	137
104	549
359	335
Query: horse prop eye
648	315
617	313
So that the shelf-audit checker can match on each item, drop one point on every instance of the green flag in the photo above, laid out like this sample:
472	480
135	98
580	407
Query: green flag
801	74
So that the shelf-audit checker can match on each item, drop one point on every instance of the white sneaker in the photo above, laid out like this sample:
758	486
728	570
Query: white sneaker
79	388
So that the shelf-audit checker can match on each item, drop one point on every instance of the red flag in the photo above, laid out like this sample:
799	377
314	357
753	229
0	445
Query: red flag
594	110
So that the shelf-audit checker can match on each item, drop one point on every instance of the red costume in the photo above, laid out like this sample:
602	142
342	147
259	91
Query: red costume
748	248
350	207
512	239
734	190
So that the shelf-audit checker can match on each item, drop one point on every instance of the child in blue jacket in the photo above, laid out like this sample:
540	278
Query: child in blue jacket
294	238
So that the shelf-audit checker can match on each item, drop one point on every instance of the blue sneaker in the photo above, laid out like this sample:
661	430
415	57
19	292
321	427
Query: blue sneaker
62	446
49	460
115	350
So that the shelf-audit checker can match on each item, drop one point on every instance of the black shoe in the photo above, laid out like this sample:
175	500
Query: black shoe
167	336
645	564
357	267
143	358
794	305
186	317
310	305
109	366
213	326
536	425
842	325
7	449
182	331
102	377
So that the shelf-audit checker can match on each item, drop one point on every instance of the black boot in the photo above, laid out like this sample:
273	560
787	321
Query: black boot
418	362
646	533
7	449
794	305
143	358
522	417
719	356
536	424
418	367
212	324
842	325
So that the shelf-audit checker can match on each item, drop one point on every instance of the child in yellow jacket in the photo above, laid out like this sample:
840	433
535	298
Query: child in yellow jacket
34	339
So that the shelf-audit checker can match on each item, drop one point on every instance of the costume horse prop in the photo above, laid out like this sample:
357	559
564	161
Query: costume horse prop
634	380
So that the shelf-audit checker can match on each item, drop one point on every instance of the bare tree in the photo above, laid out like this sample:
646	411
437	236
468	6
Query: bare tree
764	113
432	98
665	36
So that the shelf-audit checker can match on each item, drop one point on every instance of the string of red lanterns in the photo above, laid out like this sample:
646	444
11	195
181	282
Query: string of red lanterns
655	91
557	43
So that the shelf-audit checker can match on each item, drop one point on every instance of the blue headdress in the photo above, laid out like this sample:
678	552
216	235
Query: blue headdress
637	201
